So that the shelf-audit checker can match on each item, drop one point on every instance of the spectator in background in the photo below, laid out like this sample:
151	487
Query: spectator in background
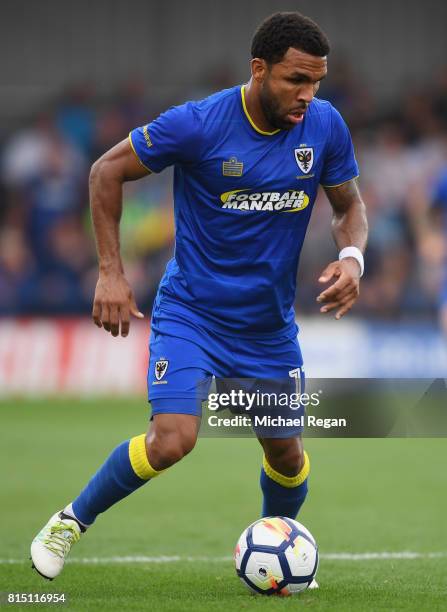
133	105
76	118
347	93
438	241
16	271
42	193
24	154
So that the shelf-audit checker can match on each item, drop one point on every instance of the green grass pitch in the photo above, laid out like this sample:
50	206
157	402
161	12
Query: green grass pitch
365	496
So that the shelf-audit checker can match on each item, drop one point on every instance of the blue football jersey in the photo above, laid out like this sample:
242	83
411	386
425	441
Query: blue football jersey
242	203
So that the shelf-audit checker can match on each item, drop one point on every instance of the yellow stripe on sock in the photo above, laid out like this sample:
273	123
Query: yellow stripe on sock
139	460
288	481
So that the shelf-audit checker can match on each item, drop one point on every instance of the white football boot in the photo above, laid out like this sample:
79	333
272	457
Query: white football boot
52	544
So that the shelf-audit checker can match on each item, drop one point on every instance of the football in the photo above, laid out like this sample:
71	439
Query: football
276	556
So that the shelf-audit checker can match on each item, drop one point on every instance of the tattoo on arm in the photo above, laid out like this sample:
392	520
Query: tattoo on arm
349	222
342	196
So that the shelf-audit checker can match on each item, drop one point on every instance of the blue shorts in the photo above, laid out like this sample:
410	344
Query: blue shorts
184	357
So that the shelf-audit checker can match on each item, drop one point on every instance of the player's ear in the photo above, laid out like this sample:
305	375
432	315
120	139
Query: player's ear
258	69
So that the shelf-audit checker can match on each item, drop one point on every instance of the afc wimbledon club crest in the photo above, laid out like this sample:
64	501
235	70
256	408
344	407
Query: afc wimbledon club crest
160	368
304	158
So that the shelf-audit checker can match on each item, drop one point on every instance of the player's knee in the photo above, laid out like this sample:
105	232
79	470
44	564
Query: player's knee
294	460
290	462
165	449
286	457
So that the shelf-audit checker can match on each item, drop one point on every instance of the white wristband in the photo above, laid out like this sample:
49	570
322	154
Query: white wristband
352	251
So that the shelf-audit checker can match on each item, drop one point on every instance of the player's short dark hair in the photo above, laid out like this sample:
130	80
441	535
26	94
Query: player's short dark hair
283	30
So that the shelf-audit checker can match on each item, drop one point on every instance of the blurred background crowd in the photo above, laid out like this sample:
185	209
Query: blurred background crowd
47	252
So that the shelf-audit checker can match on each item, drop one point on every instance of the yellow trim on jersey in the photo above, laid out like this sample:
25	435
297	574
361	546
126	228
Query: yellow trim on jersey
138	458
288	481
344	182
244	106
136	154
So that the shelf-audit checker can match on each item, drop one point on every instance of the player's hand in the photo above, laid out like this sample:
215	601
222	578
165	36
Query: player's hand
343	293
114	303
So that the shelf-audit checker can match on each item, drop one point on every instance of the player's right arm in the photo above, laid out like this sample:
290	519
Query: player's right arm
114	301
175	137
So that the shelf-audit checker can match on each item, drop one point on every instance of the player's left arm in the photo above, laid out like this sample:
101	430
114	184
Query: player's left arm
349	228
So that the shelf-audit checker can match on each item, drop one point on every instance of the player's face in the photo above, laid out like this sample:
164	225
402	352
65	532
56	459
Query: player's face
288	87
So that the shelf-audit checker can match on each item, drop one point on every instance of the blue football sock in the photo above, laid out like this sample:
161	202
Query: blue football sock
283	495
125	470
